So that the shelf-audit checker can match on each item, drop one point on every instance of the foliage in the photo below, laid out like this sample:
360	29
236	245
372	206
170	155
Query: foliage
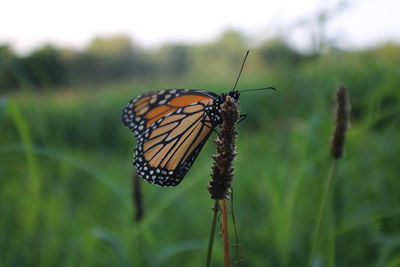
115	58
65	169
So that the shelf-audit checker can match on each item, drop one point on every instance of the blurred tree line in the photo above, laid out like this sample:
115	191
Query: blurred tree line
117	57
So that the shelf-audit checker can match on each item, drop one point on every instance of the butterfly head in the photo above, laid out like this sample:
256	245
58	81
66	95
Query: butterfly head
234	94
222	97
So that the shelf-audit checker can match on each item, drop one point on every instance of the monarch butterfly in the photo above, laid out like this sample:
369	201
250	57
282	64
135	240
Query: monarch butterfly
171	126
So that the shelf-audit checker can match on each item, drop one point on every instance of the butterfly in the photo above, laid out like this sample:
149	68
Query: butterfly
171	127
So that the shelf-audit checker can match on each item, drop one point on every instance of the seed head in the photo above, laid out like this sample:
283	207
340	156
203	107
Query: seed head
222	170
342	122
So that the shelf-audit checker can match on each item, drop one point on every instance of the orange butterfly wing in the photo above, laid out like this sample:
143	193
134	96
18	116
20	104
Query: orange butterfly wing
171	127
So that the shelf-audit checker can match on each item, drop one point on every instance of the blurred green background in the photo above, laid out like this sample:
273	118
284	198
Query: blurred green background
65	156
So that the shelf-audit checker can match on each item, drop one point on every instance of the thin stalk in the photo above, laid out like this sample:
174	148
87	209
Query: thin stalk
225	239
322	208
343	108
212	232
137	197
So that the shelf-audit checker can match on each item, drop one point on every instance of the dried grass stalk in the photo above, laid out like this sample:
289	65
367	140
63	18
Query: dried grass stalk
222	170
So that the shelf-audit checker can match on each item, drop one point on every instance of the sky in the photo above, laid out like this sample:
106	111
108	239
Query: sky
27	24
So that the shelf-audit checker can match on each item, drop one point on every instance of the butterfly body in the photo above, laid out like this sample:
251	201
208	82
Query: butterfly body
171	126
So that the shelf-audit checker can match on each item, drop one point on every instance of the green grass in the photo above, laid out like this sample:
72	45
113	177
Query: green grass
66	176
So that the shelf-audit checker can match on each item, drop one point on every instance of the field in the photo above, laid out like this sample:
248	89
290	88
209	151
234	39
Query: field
66	173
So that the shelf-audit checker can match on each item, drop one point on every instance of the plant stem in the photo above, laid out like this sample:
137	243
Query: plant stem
227	259
212	232
137	197
222	169
325	198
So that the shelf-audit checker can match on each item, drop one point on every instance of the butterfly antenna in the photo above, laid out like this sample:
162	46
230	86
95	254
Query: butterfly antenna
258	89
241	69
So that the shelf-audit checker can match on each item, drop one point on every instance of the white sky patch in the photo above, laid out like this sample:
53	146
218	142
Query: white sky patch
26	24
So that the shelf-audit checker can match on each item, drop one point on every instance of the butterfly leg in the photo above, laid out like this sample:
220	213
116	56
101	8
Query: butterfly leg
242	117
205	124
